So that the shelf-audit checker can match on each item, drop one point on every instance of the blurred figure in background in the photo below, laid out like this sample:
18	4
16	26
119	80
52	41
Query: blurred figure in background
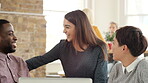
89	14
109	36
113	27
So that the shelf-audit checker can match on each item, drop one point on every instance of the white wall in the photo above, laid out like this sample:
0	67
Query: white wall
105	11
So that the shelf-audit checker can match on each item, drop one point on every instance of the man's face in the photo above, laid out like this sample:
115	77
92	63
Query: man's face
117	50
7	39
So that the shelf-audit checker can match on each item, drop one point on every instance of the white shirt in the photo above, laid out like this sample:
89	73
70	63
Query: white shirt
132	65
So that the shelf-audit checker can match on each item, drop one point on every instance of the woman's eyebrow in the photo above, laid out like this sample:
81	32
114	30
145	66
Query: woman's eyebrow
67	25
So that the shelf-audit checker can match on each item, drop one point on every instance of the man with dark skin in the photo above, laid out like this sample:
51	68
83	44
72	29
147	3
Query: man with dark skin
11	67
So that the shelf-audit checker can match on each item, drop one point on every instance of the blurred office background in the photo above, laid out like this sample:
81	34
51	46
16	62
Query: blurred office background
39	23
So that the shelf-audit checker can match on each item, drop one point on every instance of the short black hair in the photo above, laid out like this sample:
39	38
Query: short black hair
3	21
133	38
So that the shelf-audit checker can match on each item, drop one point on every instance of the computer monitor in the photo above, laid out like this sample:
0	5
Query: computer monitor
54	80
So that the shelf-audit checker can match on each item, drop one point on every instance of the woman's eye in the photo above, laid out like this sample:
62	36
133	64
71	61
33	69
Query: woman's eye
67	27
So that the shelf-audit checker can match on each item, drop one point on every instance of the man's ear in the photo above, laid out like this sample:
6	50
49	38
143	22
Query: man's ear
125	47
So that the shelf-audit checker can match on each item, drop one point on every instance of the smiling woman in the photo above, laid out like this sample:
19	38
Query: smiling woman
57	9
82	53
54	11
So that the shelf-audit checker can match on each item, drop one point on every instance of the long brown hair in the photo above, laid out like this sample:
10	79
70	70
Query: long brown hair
84	33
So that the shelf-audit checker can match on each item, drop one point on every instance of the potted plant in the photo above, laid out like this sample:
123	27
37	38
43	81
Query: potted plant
109	39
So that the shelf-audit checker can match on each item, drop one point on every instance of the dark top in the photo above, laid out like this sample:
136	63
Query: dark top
11	68
87	64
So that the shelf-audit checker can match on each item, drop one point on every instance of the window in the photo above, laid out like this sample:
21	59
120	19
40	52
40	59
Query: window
136	14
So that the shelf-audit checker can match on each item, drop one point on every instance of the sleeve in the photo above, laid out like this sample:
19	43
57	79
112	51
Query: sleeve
100	75
23	69
50	56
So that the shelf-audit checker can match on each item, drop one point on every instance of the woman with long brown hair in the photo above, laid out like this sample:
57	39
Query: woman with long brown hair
82	54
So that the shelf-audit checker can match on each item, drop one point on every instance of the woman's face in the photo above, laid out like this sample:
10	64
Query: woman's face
112	28
69	30
117	50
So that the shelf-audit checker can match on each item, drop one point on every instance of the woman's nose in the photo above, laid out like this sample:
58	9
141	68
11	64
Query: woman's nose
64	31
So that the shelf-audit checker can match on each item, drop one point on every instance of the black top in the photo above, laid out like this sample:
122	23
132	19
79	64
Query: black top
87	64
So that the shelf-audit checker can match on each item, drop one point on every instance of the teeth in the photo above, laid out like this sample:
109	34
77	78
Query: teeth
14	44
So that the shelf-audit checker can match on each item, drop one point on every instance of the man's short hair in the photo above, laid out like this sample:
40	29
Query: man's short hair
133	38
3	21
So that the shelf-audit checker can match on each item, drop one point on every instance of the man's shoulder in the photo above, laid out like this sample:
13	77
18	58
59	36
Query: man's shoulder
143	70
143	64
13	56
117	66
16	58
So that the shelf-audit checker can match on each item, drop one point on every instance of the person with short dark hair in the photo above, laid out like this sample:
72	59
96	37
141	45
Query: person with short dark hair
11	67
82	54
128	45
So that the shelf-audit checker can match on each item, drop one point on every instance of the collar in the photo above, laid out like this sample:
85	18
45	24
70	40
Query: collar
4	56
132	65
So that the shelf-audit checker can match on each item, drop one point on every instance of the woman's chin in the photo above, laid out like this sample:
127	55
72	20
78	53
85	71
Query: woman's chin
68	40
